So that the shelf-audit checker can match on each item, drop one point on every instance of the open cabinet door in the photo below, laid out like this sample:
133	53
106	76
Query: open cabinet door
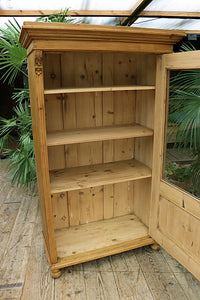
175	213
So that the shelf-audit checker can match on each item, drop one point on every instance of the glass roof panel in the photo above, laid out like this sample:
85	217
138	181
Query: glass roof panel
174	5
164	23
156	5
72	4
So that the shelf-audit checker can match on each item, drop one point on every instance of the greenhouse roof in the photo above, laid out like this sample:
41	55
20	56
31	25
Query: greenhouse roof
162	14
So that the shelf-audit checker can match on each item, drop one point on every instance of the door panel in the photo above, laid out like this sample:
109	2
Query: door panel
175	214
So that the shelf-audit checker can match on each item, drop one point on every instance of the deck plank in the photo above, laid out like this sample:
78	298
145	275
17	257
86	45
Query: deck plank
14	261
99	280
100	285
8	214
38	283
132	284
125	262
189	284
160	279
24	274
70	285
10	293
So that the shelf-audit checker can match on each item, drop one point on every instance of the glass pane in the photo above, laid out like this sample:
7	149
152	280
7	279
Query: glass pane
171	5
181	165
166	23
72	4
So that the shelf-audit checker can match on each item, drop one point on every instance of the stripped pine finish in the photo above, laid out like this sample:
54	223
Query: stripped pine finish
94	175
98	89
136	274
97	134
103	234
174	214
89	85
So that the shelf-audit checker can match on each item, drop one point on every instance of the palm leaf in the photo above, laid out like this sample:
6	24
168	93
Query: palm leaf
13	55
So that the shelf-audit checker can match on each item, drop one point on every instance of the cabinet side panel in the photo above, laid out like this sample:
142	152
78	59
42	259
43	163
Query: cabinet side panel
35	65
141	205
145	105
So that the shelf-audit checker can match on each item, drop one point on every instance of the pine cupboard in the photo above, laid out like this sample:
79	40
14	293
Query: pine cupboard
98	102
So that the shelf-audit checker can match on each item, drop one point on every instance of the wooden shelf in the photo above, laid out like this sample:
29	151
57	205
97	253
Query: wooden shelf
101	238
96	134
95	175
98	89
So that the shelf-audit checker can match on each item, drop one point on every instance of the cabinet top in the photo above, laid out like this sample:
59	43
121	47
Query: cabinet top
86	37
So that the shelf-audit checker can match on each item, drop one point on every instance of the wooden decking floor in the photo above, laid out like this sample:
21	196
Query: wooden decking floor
24	273
174	155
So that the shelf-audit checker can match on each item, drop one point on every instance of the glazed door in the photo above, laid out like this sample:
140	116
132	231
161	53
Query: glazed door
175	208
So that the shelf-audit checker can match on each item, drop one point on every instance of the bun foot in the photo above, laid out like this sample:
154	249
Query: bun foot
55	273
155	246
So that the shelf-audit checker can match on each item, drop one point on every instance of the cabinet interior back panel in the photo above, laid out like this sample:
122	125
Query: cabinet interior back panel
89	110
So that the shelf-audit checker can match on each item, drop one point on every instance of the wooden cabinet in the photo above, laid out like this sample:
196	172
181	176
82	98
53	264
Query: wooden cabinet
93	112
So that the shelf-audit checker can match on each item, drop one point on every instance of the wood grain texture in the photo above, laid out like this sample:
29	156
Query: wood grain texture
86	112
112	235
180	227
35	67
189	284
185	61
97	89
170	14
161	79
162	282
78	13
81	167
11	292
181	199
16	254
95	175
81	280
145	105
60	210
96	37
71	285
97	134
100	284
37	287
8	214
54	108
132	285
176	234
141	200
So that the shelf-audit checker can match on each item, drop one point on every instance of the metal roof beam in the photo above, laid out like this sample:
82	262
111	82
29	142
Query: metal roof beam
134	13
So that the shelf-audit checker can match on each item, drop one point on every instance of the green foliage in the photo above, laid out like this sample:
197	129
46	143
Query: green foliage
177	171
184	107
22	166
184	116
62	17
13	55
195	173
13	60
